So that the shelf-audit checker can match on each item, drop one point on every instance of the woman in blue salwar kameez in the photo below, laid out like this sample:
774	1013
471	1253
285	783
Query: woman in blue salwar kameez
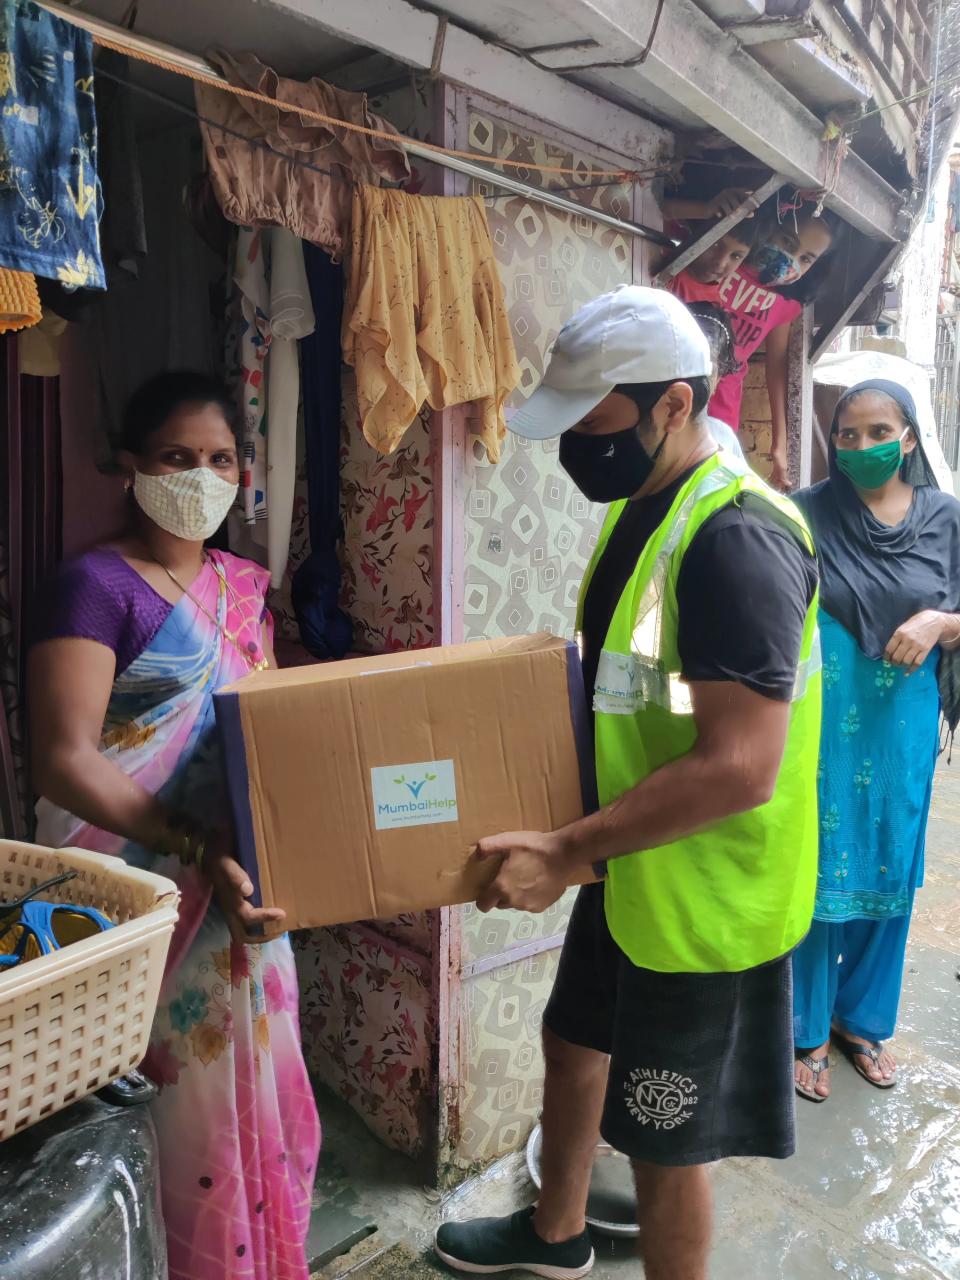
888	541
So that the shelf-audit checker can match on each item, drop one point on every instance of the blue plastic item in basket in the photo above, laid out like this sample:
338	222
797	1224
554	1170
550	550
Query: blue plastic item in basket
40	928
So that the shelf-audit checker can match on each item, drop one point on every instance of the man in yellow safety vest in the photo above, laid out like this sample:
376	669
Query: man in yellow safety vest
669	1027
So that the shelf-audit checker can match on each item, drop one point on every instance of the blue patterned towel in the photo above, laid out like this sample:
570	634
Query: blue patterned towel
50	201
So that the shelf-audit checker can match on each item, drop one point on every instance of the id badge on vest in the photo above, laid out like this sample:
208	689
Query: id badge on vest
625	683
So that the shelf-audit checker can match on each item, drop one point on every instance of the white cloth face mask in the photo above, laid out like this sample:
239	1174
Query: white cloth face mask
189	504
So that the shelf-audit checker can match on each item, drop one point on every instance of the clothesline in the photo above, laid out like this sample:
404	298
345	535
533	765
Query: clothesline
192	113
177	63
241	91
290	157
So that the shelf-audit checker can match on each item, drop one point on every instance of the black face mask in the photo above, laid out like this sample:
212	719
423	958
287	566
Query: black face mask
607	468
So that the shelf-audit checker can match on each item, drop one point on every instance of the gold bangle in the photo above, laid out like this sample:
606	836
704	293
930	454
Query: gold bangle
183	840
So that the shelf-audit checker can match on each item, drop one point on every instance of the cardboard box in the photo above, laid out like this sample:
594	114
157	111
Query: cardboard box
360	788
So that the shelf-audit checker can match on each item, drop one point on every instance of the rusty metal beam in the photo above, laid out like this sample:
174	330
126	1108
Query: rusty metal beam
879	263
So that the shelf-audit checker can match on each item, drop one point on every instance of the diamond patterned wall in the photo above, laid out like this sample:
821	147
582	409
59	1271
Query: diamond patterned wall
529	532
529	536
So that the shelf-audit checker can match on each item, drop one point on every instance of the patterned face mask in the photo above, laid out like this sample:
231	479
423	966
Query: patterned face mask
189	504
775	266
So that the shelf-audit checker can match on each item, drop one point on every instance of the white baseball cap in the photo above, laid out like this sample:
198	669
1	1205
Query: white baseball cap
632	334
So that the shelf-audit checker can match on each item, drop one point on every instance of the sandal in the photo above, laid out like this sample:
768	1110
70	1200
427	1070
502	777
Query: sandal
816	1065
852	1050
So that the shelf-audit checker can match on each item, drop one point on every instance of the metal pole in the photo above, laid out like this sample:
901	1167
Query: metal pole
191	62
483	174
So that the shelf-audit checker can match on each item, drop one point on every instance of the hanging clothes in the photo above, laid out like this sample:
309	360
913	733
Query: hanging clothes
291	318
325	630
123	228
250	278
425	318
123	232
19	300
261	186
50	193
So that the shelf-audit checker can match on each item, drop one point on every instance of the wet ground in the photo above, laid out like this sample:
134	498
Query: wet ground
872	1194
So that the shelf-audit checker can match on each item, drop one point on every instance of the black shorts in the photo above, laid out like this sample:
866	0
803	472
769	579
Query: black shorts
701	1064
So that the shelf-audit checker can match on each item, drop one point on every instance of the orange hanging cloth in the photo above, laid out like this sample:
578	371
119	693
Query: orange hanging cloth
19	300
424	317
263	185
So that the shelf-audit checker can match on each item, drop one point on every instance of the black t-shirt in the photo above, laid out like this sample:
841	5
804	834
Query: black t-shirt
745	585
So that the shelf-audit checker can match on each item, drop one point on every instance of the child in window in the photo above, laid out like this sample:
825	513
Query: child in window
706	276
701	280
759	285
764	296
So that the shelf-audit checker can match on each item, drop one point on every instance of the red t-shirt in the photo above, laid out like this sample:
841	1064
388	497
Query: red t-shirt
754	311
684	287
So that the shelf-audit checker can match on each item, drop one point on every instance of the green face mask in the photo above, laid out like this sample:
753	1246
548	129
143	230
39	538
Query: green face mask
871	468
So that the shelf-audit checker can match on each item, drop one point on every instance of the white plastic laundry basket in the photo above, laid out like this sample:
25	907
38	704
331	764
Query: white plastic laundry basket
73	1021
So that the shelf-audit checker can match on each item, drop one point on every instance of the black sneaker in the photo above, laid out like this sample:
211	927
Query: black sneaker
488	1246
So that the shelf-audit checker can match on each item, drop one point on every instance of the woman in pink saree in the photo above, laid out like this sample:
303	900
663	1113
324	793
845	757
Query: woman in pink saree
130	645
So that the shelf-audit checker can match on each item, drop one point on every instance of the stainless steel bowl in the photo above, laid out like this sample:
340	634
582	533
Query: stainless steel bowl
612	1203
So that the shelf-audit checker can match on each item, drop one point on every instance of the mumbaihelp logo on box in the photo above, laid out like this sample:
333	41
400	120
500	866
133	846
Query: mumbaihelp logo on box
361	788
414	795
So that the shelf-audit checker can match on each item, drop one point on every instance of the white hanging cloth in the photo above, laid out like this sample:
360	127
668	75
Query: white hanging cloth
291	318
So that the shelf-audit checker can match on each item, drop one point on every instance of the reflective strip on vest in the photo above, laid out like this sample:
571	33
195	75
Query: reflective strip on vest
625	684
808	669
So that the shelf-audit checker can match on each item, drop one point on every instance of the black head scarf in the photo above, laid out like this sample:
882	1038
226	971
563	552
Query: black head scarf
873	577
